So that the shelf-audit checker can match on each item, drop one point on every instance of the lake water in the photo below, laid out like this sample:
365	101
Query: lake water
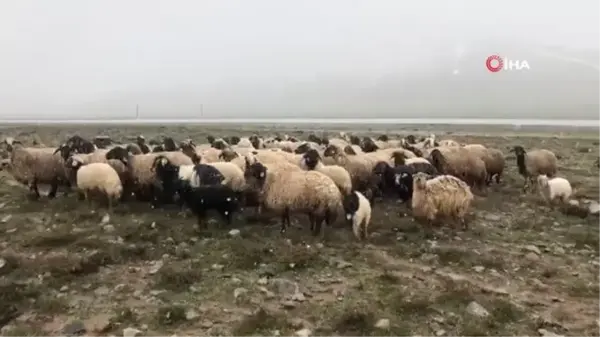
454	121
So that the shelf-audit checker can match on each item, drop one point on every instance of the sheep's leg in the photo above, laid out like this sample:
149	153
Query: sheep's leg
228	217
53	189
200	220
34	188
498	178
110	208
311	219
285	217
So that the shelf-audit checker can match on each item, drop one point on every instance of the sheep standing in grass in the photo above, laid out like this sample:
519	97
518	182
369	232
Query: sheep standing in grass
32	166
555	188
443	197
534	163
290	191
98	178
358	213
339	175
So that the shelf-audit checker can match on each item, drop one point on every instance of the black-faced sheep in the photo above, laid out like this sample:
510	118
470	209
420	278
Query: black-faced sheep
289	191
535	162
358	213
443	197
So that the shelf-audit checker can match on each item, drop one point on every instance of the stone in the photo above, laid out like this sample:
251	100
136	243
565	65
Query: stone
234	232
477	310
344	264
544	332
156	267
298	297
6	218
98	323
105	219
288	305
284	286
102	291
440	332
239	292
534	249
131	332
191	314
109	228
262	281
479	269
74	328
383	323
531	256
303	332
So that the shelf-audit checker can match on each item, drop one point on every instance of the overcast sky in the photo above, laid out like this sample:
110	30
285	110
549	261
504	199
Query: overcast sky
103	57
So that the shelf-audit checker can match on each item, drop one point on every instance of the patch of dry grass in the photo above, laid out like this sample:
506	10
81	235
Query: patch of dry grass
58	252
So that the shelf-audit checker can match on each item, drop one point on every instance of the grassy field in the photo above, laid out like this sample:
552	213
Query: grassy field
66	268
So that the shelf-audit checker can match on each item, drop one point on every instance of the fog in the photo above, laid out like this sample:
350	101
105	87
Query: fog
266	58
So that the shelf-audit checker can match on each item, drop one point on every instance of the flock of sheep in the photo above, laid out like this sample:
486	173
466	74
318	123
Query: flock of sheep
319	177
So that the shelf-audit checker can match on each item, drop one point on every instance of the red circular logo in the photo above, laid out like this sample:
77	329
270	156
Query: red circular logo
494	63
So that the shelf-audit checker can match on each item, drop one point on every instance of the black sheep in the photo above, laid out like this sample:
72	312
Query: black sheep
220	198
208	175
387	180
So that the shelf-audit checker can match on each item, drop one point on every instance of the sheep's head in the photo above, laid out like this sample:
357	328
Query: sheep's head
383	138
420	180
118	153
354	140
293	139
404	181
302	148
380	169
437	159
324	141
5	164
331	151
188	149
399	158
74	163
418	152
314	139
64	150
350	204
348	149
220	144
410	139
10	143
154	142
518	150
234	140
140	139
368	145
164	169
169	144
135	148
256	141
102	142
158	148
311	158
542	180
210	139
255	174
196	158
228	155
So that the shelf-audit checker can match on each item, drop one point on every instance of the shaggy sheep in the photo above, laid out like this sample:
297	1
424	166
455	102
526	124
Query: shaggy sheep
287	191
358	213
535	162
462	164
32	166
97	178
443	197
339	175
555	188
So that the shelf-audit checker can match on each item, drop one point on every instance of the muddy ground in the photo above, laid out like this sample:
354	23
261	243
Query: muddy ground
522	268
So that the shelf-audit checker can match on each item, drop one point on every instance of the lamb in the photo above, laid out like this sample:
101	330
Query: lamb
534	163
212	197
30	166
462	164
555	188
98	178
287	191
312	161
442	197
358	212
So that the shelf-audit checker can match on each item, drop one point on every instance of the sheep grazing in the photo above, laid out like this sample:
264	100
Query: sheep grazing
32	166
287	191
358	213
534	163
555	188
443	197
312	161
97	178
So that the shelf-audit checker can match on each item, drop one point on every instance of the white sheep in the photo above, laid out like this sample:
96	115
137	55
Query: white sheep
555	188
311	160
358	212
442	197
98	177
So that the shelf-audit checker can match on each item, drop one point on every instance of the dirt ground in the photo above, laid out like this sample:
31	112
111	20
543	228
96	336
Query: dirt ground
521	269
